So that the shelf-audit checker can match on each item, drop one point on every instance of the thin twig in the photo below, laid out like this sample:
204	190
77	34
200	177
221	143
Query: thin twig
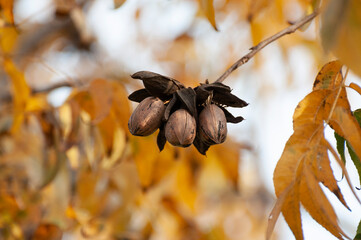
261	45
6	98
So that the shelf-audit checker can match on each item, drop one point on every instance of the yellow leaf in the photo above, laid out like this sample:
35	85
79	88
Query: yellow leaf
8	36
315	201
230	151
305	163
355	87
184	189
329	77
6	7
120	106
208	9
350	128
340	32
37	102
145	160
20	91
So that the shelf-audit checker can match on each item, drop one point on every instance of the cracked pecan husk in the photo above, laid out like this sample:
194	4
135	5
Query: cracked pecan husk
181	122
180	129
147	117
212	127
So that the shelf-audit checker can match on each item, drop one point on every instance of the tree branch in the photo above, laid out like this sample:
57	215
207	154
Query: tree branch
6	98
253	50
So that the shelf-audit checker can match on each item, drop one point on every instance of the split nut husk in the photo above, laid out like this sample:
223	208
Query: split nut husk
147	117
212	125
180	129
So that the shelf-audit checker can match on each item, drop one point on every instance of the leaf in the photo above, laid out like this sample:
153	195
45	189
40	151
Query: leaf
327	78
20	91
355	87
107	105
6	7
340	145
8	39
145	160
355	159
332	22
120	106
208	9
48	231
350	128
358	232
101	94
118	3
340	32
305	163
302	166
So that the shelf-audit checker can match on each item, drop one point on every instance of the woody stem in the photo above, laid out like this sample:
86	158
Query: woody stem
253	50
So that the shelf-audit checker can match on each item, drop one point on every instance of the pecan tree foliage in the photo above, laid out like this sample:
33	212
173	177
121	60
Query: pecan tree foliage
187	115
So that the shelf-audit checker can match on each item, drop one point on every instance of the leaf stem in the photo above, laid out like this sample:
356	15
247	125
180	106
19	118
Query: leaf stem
253	50
338	95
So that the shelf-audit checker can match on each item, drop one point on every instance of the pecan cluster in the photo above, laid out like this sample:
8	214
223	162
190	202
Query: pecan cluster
184	116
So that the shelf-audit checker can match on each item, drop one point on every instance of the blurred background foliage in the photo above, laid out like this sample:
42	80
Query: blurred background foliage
69	168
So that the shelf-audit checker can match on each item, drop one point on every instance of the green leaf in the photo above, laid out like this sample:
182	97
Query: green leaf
358	233
357	114
355	159
340	145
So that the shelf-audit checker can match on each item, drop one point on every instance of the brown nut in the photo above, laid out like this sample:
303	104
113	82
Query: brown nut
147	117
180	129
212	125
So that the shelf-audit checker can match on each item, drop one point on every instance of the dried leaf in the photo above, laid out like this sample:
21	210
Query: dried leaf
20	91
350	128
327	78
100	93
305	162
355	87
341	22
120	105
6	7
145	161
341	146
8	39
208	9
